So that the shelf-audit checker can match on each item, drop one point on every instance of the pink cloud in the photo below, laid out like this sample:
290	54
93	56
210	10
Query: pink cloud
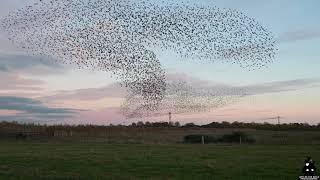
4	112
102	116
17	82
112	90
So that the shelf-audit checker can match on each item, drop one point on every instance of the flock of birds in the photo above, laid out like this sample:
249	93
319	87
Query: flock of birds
182	97
119	36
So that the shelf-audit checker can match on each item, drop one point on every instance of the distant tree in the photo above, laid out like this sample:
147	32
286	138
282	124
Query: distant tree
236	124
225	124
190	125
140	124
148	124
177	124
134	124
212	125
306	124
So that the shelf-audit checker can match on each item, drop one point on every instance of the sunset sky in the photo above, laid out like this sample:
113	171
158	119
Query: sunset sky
34	89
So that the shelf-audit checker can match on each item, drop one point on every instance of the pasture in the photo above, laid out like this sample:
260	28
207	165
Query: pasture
79	160
119	152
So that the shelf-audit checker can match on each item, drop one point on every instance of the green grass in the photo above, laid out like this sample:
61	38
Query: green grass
27	160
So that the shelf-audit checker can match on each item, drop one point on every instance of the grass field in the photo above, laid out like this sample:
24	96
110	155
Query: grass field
30	160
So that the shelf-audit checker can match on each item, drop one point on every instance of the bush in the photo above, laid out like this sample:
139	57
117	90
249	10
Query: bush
197	138
227	138
235	138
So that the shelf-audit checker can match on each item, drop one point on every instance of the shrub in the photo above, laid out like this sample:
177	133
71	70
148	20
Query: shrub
197	138
227	138
235	138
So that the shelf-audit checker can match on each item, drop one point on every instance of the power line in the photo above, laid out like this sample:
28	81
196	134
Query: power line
278	118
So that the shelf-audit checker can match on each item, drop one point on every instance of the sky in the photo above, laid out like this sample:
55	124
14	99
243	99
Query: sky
39	90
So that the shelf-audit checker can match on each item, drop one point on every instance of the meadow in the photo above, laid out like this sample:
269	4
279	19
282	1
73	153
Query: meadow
120	152
62	160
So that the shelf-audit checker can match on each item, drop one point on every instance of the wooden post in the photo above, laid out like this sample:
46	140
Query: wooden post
202	139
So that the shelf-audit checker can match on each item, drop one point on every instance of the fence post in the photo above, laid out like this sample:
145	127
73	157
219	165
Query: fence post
202	139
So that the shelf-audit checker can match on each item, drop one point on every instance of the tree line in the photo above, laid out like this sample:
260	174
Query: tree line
163	124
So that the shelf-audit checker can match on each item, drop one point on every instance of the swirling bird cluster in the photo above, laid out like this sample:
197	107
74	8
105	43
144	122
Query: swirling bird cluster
182	97
119	36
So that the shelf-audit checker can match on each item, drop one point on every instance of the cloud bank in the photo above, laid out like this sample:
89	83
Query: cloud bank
33	110
16	62
115	90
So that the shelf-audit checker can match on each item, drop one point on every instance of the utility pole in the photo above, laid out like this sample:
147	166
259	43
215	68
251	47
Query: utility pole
278	118
169	116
